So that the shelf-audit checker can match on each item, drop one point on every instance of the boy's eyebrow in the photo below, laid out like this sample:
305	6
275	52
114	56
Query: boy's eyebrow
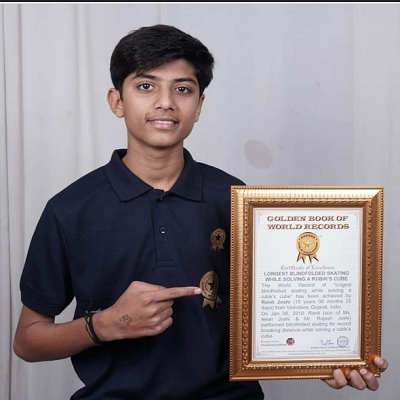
146	76
155	78
186	80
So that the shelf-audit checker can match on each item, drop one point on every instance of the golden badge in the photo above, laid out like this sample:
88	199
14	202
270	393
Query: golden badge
209	285
307	244
217	239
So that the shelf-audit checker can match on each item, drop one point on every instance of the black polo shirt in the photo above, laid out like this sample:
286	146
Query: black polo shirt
108	229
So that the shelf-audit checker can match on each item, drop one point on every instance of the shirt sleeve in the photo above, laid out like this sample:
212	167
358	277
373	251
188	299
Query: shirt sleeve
46	282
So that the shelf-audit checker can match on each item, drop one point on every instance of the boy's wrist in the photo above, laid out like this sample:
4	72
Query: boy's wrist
101	326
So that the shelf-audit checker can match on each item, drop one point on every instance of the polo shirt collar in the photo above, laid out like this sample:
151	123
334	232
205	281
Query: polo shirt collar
124	182
128	186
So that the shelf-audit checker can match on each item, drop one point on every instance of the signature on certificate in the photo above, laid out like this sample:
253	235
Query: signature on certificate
327	342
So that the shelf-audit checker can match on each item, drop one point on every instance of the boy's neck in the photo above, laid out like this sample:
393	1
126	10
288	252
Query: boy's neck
159	168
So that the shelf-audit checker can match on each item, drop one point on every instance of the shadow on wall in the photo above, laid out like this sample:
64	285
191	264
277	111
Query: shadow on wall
257	154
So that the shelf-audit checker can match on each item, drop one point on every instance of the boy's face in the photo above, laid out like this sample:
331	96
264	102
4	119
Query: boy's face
160	106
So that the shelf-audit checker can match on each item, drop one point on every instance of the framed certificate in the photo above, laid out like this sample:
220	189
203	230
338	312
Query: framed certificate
306	281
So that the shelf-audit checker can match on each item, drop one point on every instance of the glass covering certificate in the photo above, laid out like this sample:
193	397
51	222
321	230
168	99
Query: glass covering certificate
306	281
307	277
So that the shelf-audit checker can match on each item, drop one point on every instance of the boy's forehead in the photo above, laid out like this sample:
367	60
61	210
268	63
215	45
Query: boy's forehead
173	70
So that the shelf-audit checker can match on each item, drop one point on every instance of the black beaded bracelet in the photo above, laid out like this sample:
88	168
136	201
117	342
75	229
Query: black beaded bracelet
89	327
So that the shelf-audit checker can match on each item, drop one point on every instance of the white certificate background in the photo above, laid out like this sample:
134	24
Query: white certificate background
275	251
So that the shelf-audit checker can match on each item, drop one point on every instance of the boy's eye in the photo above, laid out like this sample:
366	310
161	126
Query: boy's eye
145	86
183	89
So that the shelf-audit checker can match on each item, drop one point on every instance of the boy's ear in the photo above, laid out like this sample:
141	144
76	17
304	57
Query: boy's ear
115	102
198	111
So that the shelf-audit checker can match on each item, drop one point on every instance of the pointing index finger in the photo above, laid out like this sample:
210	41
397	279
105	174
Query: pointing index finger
176	292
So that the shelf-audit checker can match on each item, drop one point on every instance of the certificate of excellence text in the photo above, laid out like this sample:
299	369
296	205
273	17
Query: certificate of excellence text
307	277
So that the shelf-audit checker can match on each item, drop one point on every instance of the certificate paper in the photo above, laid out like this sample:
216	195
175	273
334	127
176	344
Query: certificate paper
307	282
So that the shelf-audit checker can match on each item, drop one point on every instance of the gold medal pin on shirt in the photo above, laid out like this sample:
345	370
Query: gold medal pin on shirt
217	239
209	285
307	244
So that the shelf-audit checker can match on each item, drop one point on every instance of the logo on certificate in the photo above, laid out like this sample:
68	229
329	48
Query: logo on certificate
307	244
290	341
209	284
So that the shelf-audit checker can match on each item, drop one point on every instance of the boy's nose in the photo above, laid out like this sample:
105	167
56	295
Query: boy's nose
165	100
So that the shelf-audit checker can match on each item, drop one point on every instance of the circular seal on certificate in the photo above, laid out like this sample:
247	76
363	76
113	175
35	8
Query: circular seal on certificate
307	244
342	341
218	239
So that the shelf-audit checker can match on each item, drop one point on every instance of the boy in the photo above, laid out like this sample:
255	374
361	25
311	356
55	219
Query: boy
139	239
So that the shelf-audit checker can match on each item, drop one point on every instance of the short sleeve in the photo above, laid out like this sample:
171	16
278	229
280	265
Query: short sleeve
46	282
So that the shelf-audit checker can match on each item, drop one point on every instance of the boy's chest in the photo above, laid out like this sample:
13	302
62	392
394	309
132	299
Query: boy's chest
168	243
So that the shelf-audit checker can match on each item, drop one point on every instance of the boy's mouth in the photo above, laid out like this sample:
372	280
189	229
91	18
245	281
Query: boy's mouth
164	123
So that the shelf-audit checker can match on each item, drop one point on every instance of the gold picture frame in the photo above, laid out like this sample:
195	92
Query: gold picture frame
332	283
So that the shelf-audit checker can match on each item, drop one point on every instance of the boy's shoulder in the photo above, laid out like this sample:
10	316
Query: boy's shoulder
84	189
217	184
213	175
93	186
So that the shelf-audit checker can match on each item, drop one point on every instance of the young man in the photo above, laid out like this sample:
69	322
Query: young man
139	239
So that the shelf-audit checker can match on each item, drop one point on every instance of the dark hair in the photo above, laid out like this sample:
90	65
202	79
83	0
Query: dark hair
153	46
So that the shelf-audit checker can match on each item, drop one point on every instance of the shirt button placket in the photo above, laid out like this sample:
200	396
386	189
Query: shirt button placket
163	239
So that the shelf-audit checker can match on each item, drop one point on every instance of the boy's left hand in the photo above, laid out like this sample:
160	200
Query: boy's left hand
357	379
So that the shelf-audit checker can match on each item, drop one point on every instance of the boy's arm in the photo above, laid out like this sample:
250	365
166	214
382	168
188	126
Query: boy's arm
142	310
38	338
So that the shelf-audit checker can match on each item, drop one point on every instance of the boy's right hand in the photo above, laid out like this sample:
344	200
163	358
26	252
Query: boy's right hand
142	310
